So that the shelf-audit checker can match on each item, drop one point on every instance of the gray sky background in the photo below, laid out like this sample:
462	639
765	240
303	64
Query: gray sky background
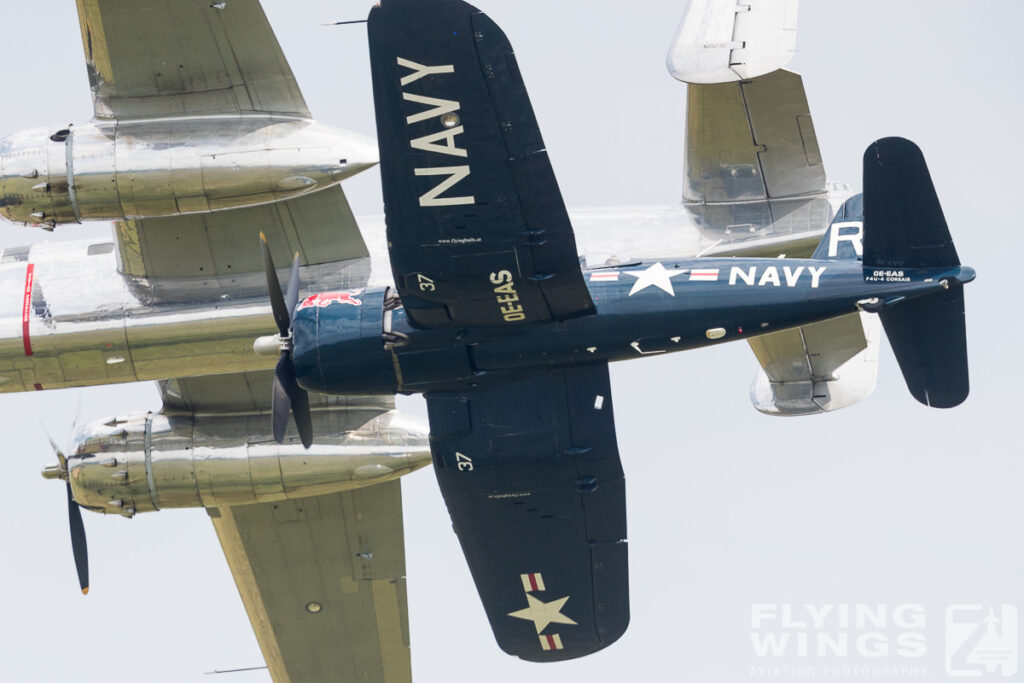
884	502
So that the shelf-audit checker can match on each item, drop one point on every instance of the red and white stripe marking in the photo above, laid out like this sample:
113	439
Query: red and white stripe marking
551	642
704	275
605	276
26	309
532	582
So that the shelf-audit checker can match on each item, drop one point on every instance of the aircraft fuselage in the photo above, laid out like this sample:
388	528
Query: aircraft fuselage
644	309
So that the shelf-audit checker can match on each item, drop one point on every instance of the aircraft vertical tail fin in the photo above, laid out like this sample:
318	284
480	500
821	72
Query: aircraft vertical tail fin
905	224
904	228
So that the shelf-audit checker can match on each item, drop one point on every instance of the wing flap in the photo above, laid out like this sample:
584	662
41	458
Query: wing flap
532	479
249	392
320	226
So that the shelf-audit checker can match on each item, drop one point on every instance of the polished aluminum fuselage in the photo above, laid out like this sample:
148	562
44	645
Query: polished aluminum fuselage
67	318
173	166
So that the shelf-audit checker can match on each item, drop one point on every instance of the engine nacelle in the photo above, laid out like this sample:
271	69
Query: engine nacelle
168	167
153	461
342	341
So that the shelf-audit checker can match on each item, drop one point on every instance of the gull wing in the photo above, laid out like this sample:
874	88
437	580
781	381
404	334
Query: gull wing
478	233
322	578
155	58
531	476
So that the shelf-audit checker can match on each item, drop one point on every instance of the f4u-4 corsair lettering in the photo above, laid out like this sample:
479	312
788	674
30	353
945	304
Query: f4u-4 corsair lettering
441	142
770	276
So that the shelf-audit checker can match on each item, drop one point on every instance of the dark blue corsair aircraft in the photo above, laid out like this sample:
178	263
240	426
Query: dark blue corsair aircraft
493	321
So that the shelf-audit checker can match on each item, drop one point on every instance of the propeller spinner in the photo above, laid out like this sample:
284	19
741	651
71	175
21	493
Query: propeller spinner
288	396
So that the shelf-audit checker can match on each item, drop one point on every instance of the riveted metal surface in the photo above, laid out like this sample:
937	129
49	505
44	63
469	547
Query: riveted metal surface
171	166
215	460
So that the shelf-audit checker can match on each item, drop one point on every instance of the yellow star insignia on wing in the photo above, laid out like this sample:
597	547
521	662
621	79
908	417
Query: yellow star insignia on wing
543	613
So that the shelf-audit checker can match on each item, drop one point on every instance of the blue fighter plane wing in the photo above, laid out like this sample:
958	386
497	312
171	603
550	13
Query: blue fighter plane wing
531	475
477	230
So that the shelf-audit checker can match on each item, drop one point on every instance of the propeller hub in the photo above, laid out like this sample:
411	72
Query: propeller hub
55	472
272	345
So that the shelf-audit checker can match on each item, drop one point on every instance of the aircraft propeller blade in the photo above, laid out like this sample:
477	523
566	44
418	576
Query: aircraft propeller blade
78	545
277	302
303	416
288	396
280	399
61	458
291	297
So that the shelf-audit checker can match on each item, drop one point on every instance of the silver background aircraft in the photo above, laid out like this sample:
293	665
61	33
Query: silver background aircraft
729	508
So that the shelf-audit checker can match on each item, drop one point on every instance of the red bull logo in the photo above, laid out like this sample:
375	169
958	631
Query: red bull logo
327	298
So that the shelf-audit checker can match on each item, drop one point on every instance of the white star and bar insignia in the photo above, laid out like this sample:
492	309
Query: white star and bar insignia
532	582
656	275
543	613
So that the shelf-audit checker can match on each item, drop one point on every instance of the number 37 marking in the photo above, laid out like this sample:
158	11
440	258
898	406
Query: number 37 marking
426	284
463	462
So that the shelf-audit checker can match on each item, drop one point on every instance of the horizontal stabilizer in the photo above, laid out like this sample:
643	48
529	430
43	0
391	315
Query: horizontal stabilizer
904	226
721	41
816	368
928	335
